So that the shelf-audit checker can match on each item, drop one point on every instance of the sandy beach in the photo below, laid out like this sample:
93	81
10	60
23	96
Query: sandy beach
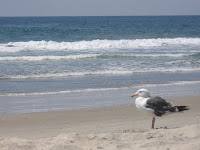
108	128
66	81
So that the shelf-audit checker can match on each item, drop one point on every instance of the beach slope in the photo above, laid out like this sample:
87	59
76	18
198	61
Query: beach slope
108	128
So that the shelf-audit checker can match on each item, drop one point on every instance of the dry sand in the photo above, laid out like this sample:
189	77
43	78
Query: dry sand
108	128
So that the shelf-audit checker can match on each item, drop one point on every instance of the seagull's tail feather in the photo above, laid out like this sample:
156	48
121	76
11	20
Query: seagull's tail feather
182	108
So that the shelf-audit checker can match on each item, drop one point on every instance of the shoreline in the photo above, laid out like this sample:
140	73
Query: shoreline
91	98
70	120
100	128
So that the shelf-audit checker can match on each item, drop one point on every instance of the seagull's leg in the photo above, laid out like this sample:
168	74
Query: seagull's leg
153	121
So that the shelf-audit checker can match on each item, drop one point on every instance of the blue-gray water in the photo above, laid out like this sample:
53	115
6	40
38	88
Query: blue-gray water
65	55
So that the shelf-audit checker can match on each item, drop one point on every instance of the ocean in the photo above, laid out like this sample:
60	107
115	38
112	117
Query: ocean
58	63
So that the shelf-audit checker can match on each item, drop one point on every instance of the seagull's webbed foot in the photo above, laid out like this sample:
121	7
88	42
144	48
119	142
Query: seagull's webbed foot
162	127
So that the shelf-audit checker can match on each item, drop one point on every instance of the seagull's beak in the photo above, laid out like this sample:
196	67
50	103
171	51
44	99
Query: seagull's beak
133	95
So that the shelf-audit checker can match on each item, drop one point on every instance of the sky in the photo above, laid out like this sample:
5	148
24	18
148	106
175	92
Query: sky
99	7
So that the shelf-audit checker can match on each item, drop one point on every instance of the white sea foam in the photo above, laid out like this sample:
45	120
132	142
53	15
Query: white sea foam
60	75
155	55
39	58
83	56
98	44
99	73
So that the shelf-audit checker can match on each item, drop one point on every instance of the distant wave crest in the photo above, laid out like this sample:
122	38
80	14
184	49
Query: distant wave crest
97	44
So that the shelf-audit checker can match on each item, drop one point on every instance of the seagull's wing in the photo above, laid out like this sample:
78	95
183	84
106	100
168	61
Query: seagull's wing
159	105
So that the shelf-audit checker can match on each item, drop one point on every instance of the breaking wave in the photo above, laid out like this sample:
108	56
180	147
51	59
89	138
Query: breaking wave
97	73
97	44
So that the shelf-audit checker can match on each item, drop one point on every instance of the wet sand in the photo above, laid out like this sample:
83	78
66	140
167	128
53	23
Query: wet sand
108	128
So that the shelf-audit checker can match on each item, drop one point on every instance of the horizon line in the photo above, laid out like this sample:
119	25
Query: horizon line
102	16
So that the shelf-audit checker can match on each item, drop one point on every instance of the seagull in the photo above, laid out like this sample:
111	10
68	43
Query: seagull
155	105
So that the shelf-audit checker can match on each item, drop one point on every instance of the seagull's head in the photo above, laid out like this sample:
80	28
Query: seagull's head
141	93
